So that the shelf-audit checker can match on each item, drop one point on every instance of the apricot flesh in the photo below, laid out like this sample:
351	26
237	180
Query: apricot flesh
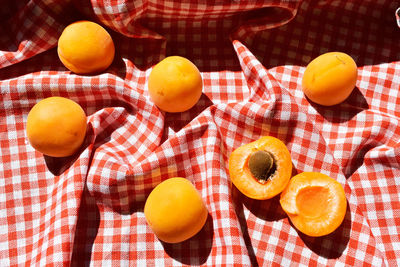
315	203
85	47
175	84
56	126
330	78
253	183
175	210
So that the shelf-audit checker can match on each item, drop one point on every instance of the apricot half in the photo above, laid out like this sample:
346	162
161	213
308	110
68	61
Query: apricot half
56	126
315	203
175	84
175	210
261	169
330	78
85	47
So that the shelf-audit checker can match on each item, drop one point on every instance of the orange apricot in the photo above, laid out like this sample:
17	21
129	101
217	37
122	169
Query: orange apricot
261	169
56	126
175	210
330	78
175	84
315	203
85	47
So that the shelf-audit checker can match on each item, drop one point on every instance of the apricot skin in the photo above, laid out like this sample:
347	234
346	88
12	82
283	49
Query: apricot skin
56	126
175	210
85	47
175	84
330	78
315	203
242	177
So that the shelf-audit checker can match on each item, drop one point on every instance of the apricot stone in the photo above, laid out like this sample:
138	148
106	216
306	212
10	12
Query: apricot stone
175	210
85	47
330	78
56	126
175	84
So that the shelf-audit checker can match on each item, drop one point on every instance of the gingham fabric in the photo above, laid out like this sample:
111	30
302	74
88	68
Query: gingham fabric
87	209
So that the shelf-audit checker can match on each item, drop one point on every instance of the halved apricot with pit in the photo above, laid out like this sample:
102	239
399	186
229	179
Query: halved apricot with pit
261	169
315	203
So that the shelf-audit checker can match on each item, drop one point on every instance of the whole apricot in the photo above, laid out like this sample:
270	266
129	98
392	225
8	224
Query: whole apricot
175	210
175	84
315	203
261	169
330	78
56	126
85	47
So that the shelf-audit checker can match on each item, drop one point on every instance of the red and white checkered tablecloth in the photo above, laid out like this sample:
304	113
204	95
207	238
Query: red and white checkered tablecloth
87	209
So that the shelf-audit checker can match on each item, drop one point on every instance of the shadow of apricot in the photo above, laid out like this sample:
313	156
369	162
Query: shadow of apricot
295	171
358	158
236	197
196	249
267	210
330	246
86	230
176	121
344	111
117	67
59	165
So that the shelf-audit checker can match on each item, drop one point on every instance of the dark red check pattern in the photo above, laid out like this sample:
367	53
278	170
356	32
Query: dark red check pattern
88	208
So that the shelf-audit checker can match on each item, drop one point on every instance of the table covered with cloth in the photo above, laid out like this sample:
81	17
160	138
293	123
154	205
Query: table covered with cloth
87	209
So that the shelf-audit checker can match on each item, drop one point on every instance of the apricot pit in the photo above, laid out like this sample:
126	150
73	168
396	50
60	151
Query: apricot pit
261	164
